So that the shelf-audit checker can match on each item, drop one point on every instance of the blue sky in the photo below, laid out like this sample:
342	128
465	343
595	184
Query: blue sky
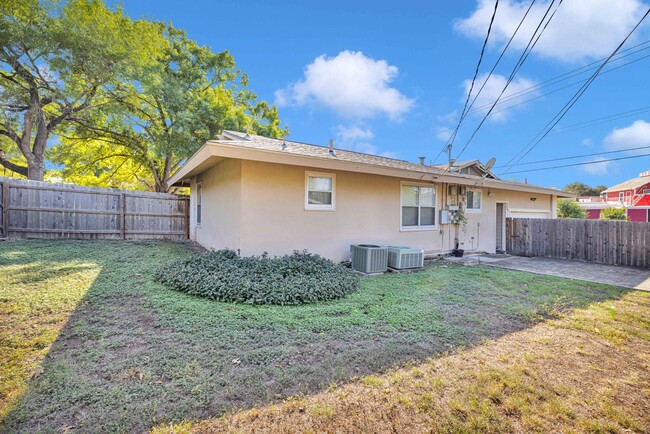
391	78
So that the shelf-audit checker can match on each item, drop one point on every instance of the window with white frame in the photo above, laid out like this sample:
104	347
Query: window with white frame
473	200
199	193
320	191
418	206
621	197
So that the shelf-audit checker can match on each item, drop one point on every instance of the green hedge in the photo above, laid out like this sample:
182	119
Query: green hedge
291	279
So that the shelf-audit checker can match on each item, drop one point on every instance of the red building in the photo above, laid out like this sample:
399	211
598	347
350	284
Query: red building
633	195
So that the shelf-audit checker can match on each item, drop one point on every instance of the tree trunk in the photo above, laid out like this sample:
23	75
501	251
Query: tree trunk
162	186
36	169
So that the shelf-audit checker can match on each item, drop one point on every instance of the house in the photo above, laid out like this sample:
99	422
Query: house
633	195
593	205
255	194
470	167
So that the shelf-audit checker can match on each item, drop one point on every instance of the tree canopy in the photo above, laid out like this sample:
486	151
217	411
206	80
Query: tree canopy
57	60
127	100
570	209
582	189
613	214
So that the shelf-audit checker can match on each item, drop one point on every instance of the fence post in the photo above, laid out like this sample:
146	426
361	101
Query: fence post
123	215
5	209
187	218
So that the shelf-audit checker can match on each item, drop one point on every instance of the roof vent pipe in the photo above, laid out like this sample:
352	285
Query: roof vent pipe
422	160
331	148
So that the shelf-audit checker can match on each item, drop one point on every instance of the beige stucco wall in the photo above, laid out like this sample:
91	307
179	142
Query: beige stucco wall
258	207
221	222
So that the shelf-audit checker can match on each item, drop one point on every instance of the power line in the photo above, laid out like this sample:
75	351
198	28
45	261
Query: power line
557	118
578	156
464	113
524	55
568	75
471	88
559	79
575	164
585	124
564	87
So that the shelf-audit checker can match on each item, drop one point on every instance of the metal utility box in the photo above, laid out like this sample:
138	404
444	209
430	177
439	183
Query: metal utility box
369	258
445	217
401	258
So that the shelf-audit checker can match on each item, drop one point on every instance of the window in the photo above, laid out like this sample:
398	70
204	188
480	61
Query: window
199	193
621	197
320	191
646	191
418	206
473	200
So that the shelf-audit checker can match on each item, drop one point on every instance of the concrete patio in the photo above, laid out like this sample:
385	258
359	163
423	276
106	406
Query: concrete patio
635	278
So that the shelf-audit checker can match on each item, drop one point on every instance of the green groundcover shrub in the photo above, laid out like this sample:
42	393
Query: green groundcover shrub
291	279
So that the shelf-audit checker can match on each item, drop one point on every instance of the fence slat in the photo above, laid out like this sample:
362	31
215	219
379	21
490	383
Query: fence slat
601	241
32	209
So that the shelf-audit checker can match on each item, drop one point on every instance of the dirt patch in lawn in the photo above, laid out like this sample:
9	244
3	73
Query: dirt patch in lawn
587	372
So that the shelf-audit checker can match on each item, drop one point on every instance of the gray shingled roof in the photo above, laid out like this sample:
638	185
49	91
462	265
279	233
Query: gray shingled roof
266	143
630	184
252	141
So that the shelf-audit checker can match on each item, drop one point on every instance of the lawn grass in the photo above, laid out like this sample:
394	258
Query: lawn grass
89	342
585	372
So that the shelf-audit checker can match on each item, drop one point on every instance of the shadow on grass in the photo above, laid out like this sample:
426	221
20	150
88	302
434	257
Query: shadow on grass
134	354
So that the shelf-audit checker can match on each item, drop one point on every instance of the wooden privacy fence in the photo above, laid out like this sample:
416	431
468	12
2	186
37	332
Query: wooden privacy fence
609	242
32	209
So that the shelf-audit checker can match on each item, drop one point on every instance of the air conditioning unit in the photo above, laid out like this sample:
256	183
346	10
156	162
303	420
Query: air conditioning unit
405	257
369	258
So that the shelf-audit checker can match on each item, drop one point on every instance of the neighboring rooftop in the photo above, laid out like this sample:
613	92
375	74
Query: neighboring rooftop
464	166
643	179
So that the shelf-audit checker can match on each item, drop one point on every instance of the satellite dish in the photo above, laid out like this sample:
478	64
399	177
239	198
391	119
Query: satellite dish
490	163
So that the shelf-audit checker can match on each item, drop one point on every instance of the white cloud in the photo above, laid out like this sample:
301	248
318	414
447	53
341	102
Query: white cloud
579	30
351	84
588	142
492	90
355	138
348	134
597	168
633	136
443	133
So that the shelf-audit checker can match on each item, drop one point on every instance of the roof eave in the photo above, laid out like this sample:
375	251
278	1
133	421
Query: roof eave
213	151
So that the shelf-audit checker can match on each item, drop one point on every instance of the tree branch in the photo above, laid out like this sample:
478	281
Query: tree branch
71	110
9	132
21	170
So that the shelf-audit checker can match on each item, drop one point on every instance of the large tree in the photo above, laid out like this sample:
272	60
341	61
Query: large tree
582	189
58	60
164	113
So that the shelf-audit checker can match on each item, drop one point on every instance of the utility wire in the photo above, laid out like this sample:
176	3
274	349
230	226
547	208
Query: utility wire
466	109
503	52
584	124
471	87
575	164
524	55
577	156
560	79
558	117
